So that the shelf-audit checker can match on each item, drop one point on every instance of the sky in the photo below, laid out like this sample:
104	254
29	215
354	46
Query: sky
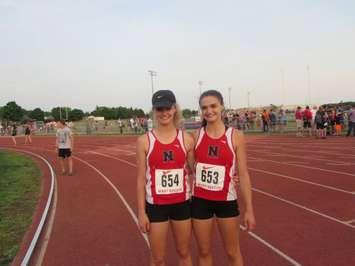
88	53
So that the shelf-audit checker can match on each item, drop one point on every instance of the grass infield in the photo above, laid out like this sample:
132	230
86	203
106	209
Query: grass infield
19	191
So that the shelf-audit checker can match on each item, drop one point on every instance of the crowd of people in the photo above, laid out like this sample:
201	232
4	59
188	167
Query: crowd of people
324	121
319	121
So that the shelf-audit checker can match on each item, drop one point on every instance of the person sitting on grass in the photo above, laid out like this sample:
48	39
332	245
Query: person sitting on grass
64	146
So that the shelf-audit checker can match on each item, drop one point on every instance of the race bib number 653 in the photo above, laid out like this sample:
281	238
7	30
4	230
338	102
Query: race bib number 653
169	181
209	176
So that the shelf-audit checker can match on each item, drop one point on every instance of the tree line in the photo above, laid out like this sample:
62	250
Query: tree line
15	113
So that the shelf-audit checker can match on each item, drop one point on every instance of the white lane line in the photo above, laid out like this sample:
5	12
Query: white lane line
304	166
351	221
304	208
113	157
40	226
302	180
308	150
279	252
125	152
340	164
292	261
131	212
265	151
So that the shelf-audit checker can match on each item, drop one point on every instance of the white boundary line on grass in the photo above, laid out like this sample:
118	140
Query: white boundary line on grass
29	252
279	252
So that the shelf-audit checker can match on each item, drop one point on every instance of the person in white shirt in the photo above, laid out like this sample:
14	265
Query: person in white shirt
64	145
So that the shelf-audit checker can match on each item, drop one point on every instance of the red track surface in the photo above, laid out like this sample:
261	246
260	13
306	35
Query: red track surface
304	198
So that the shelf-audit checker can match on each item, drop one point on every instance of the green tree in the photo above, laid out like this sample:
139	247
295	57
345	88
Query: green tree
13	112
76	115
37	114
1	112
60	112
186	113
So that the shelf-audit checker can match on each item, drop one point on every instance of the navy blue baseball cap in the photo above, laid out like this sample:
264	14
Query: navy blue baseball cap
163	98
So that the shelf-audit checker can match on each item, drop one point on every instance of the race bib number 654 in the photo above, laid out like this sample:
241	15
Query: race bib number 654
209	176
169	181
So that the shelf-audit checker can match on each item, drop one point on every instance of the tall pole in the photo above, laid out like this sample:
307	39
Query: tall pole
200	87
309	84
282	86
60	113
152	74
66	113
248	98
229	96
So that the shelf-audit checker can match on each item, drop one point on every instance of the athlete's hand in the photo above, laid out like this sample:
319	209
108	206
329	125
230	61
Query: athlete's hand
249	220
143	222
235	180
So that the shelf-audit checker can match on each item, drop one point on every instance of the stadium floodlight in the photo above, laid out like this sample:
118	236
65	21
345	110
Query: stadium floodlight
152	74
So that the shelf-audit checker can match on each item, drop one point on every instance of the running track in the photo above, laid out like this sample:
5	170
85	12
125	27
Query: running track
303	192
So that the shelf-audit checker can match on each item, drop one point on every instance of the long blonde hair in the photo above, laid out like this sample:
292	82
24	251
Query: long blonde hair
177	117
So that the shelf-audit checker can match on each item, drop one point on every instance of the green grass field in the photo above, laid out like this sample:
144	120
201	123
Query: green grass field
19	192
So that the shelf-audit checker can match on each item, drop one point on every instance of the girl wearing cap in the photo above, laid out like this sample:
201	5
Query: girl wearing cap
217	150
163	191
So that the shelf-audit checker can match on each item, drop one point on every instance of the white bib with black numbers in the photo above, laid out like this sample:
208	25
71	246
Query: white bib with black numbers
209	176
169	181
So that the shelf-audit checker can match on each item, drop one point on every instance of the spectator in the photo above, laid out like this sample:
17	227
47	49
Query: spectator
321	123
272	120
314	111
307	120
351	125
14	134
266	120
120	125
339	120
282	120
299	118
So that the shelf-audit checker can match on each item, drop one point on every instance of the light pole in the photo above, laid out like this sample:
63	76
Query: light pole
60	113
309	84
283	86
248	98
152	74
229	97
200	86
